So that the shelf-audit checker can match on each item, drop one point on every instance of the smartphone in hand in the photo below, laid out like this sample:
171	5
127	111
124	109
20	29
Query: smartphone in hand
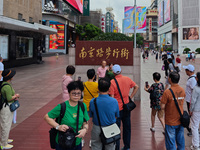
146	84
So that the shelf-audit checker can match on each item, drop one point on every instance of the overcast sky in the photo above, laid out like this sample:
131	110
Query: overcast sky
118	6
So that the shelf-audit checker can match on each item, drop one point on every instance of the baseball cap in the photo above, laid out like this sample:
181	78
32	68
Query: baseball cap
116	69
189	67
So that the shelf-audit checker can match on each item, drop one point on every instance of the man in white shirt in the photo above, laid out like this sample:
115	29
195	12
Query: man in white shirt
1	68
191	83
101	71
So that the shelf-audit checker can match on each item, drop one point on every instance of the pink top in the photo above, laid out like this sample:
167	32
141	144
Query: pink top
101	72
65	81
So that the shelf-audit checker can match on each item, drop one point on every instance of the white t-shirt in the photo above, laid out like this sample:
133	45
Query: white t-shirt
1	69
191	83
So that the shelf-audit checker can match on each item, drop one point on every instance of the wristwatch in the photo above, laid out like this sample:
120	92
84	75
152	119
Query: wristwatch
57	127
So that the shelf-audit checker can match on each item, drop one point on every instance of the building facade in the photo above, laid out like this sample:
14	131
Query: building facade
62	15
189	24
21	31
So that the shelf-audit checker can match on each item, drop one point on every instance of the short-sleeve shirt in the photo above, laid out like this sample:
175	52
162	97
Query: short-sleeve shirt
107	108
1	69
178	60
8	92
65	81
191	83
101	72
172	116
70	116
93	88
171	68
125	84
157	89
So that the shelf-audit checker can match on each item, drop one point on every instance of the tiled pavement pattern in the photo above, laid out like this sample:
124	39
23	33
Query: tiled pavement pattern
39	86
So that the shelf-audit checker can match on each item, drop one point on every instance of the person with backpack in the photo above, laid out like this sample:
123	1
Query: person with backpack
75	115
7	96
108	111
156	91
195	114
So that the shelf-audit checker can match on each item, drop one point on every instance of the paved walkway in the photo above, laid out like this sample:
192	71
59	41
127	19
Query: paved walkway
40	89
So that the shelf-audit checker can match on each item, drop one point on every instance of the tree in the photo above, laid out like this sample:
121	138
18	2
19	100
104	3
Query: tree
88	31
139	39
197	50
186	50
111	37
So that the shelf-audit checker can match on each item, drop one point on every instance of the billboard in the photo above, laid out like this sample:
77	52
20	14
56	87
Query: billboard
162	41
191	33
77	4
160	14
169	38
86	8
108	22
57	41
167	11
129	15
103	22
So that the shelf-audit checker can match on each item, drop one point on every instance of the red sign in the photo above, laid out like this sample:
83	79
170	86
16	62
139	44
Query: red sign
150	25
93	52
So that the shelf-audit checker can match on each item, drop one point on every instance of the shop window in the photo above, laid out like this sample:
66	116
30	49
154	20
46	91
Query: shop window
24	47
4	46
20	16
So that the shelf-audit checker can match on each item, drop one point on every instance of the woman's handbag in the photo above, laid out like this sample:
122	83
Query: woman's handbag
109	134
129	106
163	68
14	106
67	140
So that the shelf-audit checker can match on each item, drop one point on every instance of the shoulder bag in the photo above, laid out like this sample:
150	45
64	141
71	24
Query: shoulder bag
53	132
109	134
185	118
14	106
129	106
88	90
67	140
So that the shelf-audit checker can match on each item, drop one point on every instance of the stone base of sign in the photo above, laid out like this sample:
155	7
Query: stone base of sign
134	72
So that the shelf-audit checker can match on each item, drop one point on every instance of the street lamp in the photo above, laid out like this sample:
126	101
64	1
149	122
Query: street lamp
135	7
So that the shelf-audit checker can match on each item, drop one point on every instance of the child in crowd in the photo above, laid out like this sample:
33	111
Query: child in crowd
156	91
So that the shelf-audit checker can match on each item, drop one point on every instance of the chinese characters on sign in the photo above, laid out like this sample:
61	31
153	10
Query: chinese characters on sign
124	53
92	52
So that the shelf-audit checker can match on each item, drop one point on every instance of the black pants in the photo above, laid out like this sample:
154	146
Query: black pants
188	107
166	72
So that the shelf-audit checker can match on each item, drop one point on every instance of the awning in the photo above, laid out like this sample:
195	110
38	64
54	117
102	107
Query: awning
13	24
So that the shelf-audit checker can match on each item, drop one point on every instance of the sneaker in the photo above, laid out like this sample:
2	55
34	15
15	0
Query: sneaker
10	141
83	142
152	129
90	144
8	146
189	133
194	147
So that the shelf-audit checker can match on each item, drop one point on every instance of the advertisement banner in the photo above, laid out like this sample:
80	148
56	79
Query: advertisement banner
108	22
160	14
86	8
57	41
162	41
129	21
77	4
191	33
103	22
117	52
169	39
167	11
112	25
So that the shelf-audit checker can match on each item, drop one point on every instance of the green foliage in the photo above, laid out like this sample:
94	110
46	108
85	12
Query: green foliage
139	39
88	31
169	49
197	50
186	50
112	37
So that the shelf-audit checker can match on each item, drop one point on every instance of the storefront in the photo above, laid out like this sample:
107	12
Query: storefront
19	41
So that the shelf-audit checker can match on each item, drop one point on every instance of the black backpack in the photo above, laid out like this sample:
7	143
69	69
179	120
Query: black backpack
2	99
53	132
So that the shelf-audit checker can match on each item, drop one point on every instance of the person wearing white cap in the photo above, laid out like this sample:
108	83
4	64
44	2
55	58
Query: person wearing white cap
125	84
191	83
